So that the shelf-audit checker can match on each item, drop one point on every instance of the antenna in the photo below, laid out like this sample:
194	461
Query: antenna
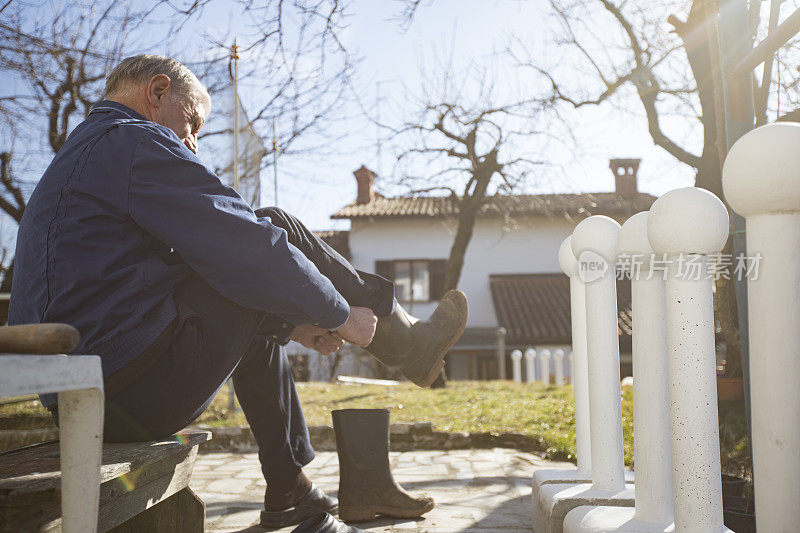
235	61
275	158
378	138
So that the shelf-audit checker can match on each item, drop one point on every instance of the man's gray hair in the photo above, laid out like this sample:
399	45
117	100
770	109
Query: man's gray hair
140	69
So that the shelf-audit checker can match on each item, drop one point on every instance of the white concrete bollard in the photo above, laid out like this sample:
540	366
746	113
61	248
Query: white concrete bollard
594	319
530	365
516	365
500	335
684	226
653	509
571	359
651	440
761	181
594	243
544	366
579	366
558	366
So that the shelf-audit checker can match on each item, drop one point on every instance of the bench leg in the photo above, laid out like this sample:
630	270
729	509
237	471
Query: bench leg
80	414
183	512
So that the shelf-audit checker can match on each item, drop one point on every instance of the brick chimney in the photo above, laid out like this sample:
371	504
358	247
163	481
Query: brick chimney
365	179
625	176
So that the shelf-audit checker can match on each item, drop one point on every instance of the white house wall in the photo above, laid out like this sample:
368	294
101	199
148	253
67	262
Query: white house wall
531	246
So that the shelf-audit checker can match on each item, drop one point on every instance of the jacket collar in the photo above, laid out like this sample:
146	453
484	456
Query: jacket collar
109	106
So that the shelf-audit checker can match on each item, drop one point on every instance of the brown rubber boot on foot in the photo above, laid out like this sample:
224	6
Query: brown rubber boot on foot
417	347
366	486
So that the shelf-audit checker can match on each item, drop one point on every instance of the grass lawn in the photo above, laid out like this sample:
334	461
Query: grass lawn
545	413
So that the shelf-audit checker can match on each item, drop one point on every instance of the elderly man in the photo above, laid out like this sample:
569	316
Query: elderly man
177	284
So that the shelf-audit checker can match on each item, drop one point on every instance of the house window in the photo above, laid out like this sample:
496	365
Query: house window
415	280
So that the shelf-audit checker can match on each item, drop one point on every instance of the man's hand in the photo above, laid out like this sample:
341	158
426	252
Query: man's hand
360	326
315	338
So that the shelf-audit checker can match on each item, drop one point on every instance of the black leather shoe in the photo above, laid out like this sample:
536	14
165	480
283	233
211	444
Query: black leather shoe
325	523
312	504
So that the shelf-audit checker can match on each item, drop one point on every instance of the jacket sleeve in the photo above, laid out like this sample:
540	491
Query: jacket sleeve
173	196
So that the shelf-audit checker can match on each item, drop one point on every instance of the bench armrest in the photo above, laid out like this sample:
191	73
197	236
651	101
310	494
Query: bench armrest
38	339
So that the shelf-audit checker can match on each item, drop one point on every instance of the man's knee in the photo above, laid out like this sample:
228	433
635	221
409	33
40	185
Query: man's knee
275	213
283	220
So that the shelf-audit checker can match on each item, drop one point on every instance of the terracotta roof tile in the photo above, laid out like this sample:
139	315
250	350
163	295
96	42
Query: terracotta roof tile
576	206
535	308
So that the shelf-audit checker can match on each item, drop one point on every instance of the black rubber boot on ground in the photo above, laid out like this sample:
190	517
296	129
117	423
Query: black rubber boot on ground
417	347
366	486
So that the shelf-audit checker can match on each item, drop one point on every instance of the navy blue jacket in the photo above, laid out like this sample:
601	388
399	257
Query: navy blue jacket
122	215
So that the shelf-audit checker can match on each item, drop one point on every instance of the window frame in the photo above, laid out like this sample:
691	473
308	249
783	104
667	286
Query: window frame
429	263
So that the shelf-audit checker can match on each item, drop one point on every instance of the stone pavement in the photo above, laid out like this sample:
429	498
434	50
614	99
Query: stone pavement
475	490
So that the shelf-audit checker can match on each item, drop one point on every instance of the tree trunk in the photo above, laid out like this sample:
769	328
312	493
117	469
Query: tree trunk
698	48
700	52
468	210
8	276
455	262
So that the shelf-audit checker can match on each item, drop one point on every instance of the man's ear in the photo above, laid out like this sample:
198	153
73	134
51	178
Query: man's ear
157	87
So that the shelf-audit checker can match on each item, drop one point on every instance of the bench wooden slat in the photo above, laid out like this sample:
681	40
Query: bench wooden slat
135	476
36	468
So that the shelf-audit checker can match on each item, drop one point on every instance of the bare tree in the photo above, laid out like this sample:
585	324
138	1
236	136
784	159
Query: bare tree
614	46
294	58
58	57
12	202
461	129
59	64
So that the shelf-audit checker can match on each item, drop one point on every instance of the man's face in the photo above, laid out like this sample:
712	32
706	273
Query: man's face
182	119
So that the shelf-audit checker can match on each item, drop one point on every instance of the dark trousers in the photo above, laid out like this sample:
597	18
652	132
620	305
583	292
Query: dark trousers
214	338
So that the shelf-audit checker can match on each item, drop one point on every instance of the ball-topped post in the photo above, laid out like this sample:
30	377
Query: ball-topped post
571	364
516	366
653	510
558	367
651	441
579	366
544	366
761	180
500	335
530	365
594	244
684	227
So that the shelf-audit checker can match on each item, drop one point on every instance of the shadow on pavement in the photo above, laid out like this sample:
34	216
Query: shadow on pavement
474	504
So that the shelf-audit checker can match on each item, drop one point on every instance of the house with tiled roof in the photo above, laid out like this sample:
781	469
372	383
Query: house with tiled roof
511	273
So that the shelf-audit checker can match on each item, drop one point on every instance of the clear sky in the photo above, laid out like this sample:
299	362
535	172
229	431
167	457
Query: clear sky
315	184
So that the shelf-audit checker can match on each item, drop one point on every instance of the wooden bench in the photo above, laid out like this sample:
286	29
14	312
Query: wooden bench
144	487
29	363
